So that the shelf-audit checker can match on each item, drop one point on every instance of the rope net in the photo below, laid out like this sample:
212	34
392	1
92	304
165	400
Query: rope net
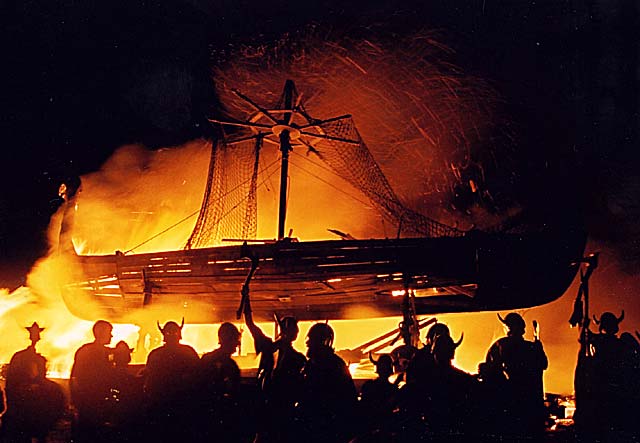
229	208
354	163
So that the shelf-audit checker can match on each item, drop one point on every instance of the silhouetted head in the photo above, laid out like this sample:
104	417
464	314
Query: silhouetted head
34	332
402	356
609	323
122	353
436	330
288	328
102	331
444	349
514	322
171	332
229	337
384	365
320	334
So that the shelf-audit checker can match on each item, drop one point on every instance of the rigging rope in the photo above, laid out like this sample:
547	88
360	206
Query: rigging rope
264	170
317	177
336	142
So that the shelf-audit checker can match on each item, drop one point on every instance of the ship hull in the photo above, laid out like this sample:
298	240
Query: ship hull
333	279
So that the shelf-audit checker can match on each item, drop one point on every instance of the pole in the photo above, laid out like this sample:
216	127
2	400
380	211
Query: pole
585	326
591	265
285	147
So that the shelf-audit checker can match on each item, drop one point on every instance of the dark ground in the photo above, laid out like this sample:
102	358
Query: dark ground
62	433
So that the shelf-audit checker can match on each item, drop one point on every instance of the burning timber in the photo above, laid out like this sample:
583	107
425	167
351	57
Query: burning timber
429	268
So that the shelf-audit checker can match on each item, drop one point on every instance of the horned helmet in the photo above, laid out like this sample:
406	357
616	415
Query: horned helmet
402	356
514	322
171	329
436	330
444	347
383	365
608	323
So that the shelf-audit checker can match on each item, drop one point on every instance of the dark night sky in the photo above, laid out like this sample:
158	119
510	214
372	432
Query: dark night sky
81	78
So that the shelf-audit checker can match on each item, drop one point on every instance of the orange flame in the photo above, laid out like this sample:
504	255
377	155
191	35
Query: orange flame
412	125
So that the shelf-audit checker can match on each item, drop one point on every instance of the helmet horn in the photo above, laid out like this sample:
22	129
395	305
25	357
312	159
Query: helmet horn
596	320
456	344
621	316
501	319
182	323
278	320
160	327
371	358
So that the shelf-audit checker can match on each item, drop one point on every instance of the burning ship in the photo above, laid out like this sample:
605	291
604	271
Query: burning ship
427	267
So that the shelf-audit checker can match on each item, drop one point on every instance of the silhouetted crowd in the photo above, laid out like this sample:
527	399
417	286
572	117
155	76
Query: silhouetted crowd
181	397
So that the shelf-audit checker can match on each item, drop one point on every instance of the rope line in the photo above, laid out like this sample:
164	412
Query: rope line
330	184
198	210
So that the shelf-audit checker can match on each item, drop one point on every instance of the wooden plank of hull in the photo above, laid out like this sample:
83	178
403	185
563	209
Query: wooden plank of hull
334	279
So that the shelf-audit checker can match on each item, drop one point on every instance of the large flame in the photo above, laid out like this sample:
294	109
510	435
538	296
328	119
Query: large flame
424	123
64	333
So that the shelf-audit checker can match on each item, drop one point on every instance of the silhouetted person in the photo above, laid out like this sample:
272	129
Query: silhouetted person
378	398
328	401
220	388
34	404
91	375
522	363
126	397
492	416
606	410
419	368
26	358
279	376
437	402
631	343
631	393
449	395
169	386
402	357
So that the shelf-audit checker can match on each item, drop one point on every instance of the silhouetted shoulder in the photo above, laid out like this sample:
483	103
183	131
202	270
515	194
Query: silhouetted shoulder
188	351
212	356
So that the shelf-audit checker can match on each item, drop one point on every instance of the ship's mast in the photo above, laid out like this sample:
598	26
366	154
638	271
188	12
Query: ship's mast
285	147
286	126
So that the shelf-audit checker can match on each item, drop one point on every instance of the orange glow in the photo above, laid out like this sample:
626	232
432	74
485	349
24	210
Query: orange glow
417	128
65	333
115	192
137	194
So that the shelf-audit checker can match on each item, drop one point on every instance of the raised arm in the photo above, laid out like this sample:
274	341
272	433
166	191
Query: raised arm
255	331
